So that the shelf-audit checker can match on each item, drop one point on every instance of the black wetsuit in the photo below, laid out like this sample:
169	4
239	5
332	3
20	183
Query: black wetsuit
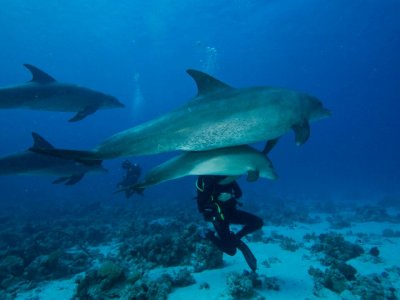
223	213
132	175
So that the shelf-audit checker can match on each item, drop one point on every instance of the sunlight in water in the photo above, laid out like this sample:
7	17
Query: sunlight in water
209	64
137	96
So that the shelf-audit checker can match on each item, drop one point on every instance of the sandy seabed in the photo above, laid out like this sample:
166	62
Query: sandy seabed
289	268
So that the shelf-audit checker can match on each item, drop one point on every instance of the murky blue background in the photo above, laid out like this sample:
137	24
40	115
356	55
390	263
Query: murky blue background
344	52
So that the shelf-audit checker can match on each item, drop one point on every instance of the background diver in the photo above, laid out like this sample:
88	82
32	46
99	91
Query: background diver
132	174
217	198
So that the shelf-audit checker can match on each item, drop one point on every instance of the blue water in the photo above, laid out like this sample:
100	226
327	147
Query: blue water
344	52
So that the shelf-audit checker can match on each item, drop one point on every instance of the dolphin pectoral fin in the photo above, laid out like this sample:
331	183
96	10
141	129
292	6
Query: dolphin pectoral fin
269	145
253	175
74	179
80	115
206	84
60	180
302	132
38	75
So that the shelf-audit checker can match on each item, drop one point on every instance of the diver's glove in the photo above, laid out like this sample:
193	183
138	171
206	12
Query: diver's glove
224	197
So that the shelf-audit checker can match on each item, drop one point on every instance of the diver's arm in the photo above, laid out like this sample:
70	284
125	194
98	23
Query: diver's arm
204	192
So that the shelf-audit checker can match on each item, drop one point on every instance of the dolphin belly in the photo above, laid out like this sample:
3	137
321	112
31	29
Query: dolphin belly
230	161
205	127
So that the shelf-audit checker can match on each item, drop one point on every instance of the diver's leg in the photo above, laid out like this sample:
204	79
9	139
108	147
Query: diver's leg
226	240
251	222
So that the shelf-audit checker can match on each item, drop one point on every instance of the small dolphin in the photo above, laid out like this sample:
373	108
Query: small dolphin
229	161
31	163
43	92
219	116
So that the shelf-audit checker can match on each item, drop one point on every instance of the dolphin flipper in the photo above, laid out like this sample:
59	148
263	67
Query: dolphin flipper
71	180
302	132
253	175
269	145
80	115
74	179
38	75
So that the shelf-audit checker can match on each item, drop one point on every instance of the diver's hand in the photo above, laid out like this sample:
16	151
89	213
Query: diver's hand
224	197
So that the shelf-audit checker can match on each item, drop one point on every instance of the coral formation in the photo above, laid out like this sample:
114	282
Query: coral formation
335	247
240	286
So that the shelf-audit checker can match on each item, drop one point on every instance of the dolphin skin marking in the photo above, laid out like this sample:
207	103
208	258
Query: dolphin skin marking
30	163
219	116
43	92
229	161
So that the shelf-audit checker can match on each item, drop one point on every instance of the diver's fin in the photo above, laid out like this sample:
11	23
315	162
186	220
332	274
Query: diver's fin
40	142
253	175
74	179
248	255
207	84
269	145
80	115
38	75
302	132
67	154
60	180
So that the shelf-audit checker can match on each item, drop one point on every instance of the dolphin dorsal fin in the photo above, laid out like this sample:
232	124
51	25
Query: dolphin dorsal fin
40	142
206	84
38	75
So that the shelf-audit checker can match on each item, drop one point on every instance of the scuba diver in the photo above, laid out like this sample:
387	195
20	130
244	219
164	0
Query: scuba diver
217	198
133	172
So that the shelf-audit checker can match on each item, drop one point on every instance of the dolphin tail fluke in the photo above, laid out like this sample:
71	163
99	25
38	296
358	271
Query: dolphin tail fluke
302	132
80	115
68	154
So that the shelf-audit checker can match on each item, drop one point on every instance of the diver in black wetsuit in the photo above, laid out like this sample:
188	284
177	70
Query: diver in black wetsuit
133	172
216	200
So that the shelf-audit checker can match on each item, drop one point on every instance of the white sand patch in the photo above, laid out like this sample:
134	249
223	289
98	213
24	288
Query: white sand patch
56	289
291	268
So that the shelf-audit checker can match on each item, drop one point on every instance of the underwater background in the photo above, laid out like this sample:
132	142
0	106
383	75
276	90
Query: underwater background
346	53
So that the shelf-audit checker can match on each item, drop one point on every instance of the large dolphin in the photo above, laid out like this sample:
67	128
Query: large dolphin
43	92
229	161
31	163
219	116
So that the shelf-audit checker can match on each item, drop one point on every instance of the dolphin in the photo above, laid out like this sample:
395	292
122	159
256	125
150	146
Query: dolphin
31	163
43	92
229	161
218	116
